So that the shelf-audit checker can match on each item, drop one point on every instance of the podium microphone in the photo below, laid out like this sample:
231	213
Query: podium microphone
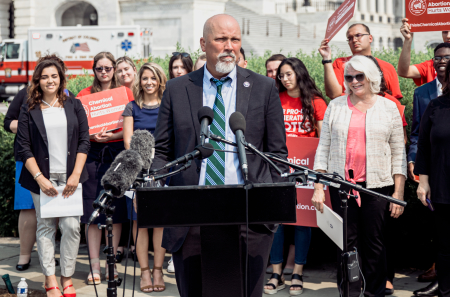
200	152
143	142
122	173
205	117
238	125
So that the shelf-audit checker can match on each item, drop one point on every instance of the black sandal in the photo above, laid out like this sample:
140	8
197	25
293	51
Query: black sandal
296	292
281	285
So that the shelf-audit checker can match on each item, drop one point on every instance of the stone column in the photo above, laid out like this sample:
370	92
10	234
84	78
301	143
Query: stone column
372	6
25	17
4	19
362	5
389	7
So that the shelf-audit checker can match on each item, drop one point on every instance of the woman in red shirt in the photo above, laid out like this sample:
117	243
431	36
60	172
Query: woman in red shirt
303	109
105	146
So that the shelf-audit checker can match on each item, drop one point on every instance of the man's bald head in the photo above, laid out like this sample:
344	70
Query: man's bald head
217	21
221	42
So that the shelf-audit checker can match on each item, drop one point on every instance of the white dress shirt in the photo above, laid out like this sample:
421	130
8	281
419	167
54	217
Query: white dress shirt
439	87
233	174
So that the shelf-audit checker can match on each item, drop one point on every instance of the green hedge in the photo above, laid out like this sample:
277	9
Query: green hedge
412	224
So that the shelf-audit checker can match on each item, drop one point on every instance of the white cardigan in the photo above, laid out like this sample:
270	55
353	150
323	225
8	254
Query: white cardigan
385	147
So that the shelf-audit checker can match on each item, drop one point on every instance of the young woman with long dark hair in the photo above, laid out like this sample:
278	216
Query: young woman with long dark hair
180	64
105	146
53	143
304	109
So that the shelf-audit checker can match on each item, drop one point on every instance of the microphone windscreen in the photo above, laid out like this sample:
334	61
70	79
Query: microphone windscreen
122	173
205	112
206	150
143	142
237	122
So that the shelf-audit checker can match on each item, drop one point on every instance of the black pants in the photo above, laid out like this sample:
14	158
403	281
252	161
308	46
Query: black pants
442	221
366	231
187	261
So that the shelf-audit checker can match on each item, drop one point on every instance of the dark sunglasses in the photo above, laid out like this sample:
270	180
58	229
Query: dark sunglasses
106	68
438	58
176	54
359	77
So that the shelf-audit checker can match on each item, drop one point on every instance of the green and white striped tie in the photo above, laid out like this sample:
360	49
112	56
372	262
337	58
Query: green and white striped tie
215	165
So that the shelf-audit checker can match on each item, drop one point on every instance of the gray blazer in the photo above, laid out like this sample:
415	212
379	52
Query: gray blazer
178	131
385	147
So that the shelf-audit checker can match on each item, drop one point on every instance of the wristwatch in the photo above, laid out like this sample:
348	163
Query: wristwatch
326	61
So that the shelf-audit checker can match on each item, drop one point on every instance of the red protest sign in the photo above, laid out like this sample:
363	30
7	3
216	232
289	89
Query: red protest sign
302	151
428	15
340	18
104	109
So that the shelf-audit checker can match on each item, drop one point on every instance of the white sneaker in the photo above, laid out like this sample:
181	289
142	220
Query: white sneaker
171	267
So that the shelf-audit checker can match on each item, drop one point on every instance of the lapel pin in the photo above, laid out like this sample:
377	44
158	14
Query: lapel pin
246	84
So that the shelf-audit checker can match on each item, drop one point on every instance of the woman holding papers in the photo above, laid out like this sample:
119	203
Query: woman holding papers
362	140
105	146
142	114
433	168
304	109
53	143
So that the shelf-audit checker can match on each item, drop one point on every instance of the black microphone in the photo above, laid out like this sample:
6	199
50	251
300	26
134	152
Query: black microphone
99	204
200	152
205	117
238	125
122	173
143	142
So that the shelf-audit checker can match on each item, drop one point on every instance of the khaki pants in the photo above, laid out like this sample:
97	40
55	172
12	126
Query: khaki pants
45	236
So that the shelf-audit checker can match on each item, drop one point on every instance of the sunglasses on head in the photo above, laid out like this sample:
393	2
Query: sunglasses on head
359	77
184	55
106	68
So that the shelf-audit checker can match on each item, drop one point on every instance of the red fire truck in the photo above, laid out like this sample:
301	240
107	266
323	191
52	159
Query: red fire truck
77	46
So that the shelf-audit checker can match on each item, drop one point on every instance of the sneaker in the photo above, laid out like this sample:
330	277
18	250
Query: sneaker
171	267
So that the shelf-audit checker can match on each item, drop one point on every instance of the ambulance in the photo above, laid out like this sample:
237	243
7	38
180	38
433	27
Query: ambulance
76	45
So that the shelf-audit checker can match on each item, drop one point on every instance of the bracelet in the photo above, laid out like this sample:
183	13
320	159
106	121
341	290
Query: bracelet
326	61
37	175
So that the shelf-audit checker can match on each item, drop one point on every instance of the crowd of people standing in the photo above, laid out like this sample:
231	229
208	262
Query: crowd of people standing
362	137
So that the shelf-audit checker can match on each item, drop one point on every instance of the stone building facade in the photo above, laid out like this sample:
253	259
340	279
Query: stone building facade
276	25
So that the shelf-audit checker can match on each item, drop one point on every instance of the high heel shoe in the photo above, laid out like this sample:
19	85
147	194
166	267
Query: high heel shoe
163	287
23	267
71	294
52	288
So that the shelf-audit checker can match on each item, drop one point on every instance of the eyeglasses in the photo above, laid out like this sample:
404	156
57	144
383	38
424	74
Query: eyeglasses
438	58
356	37
184	55
287	75
359	77
106	68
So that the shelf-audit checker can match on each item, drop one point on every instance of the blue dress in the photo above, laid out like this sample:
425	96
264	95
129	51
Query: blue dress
144	119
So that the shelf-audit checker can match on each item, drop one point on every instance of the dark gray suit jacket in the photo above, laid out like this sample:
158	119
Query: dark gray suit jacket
178	131
422	96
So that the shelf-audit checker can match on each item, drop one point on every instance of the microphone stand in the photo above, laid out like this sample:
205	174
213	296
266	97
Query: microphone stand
104	206
304	175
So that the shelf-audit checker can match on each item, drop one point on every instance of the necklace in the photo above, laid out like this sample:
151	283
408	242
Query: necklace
43	101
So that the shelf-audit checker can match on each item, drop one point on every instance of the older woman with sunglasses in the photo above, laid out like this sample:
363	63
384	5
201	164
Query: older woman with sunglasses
105	146
362	140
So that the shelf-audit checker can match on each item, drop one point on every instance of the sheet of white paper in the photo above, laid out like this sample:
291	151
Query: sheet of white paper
55	207
129	194
332	225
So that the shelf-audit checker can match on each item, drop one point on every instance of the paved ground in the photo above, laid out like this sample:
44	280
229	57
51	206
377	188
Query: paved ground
319	280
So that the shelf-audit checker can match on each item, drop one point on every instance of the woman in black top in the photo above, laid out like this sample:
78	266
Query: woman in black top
22	197
433	167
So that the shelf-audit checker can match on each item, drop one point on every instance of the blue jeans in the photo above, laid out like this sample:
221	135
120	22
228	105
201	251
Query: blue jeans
302	241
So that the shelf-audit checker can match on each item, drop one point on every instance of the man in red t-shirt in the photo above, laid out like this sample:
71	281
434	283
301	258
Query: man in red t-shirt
421	73
359	40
